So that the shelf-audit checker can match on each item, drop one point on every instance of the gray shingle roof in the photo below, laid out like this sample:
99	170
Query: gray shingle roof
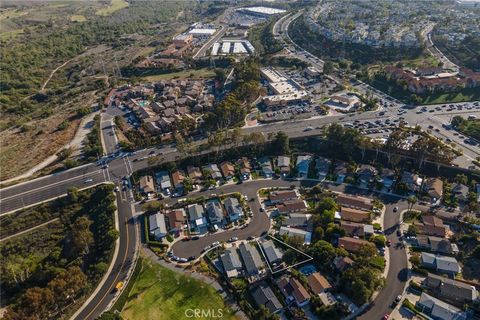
251	259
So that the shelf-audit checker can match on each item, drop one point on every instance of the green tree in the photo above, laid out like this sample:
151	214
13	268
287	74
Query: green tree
281	143
80	235
328	67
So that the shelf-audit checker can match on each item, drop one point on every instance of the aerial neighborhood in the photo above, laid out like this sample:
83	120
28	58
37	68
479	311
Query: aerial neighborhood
270	160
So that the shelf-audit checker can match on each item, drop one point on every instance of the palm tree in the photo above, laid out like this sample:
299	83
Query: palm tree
411	202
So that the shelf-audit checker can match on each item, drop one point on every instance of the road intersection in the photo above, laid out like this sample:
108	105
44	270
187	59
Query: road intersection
56	185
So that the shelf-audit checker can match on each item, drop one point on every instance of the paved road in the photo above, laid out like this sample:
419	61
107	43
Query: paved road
398	272
122	264
48	187
201	52
258	224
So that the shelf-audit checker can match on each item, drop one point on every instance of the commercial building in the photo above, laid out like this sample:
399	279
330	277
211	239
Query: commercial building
286	91
261	11
232	46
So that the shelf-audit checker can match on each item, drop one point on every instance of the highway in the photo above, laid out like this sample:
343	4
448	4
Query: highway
49	187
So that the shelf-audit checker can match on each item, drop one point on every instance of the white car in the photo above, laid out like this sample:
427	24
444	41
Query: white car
88	181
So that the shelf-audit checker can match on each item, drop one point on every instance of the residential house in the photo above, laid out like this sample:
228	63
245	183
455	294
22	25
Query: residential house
212	170
432	226
245	168
177	178
231	263
354	215
352	244
305	236
290	206
297	220
439	310
302	165
276	197
283	163
274	255
341	171
176	219
293	291
412	181
450	289
228	170
460	191
327	298
434	188
233	208
366	173
387	178
322	165
214	212
437	244
368	230
318	283
156	226
146	185
163	180
195	174
342	263
264	296
353	228
440	263
251	259
354	202
197	218
266	167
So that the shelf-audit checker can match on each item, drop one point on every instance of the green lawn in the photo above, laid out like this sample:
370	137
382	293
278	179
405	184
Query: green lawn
115	5
160	293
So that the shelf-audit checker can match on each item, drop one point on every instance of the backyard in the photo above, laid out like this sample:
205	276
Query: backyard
160	293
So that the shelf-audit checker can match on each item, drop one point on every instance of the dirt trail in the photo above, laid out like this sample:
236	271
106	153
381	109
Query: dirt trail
53	72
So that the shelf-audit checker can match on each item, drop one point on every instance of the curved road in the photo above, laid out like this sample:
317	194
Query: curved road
105	294
398	269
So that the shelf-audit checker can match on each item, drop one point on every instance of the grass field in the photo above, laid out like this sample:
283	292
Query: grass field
78	18
160	293
115	5
200	73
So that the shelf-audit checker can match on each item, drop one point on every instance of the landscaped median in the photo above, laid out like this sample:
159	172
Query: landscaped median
155	292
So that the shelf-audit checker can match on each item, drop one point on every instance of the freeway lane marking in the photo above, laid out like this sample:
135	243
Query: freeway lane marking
52	184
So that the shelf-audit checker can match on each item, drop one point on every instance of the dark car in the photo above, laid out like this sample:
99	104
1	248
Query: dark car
195	237
191	258
399	233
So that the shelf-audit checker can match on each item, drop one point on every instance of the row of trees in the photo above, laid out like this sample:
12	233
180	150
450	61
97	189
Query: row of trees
345	141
